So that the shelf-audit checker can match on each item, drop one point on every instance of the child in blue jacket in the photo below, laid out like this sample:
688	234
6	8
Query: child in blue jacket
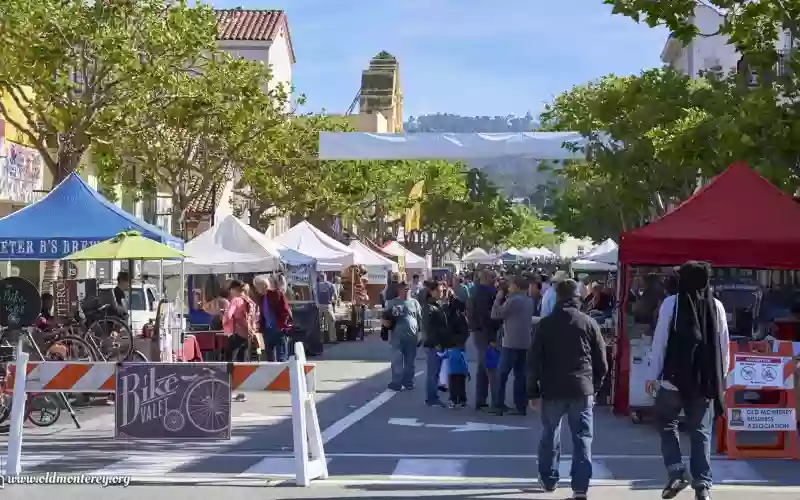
457	376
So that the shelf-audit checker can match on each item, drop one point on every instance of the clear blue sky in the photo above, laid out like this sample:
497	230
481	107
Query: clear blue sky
469	57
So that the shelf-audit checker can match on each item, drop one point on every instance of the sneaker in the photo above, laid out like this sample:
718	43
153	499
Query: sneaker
674	486
239	398
579	496
451	405
395	387
409	387
547	488
702	494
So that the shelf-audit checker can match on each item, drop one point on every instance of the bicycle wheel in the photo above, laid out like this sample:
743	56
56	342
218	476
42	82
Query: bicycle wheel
70	348
43	410
5	407
113	338
137	356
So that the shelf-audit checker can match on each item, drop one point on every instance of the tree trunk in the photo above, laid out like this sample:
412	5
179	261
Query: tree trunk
68	161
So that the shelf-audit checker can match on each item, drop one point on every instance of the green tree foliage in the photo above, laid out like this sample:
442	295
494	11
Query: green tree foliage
649	138
70	65
199	130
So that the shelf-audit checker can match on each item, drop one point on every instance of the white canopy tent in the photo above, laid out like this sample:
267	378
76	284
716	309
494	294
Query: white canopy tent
446	146
602	258
537	253
231	246
477	255
592	266
412	260
512	254
366	256
307	239
605	248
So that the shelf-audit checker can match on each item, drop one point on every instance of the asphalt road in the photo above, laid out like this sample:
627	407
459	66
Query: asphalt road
379	444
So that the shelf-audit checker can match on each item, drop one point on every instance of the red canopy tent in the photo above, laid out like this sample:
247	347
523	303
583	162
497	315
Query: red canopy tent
738	220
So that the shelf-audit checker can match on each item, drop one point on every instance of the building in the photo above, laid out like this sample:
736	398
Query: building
703	53
254	35
380	99
572	248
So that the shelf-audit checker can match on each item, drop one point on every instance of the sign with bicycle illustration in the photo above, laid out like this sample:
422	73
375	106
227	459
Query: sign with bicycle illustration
177	401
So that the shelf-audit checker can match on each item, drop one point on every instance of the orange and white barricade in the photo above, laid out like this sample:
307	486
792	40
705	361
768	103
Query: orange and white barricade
764	369
295	376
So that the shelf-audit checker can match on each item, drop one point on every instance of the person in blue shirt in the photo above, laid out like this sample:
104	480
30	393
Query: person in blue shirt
457	376
549	298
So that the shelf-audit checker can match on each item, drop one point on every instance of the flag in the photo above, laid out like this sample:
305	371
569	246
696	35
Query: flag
413	212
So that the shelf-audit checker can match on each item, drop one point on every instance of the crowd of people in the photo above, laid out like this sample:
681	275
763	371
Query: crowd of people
543	330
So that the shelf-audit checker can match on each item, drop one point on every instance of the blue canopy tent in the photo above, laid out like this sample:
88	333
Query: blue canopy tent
69	218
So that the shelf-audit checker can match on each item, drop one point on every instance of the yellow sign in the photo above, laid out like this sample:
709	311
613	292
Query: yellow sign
414	212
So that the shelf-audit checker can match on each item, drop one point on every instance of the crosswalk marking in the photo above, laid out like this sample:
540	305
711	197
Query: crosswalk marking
734	471
273	466
143	465
30	461
429	467
599	469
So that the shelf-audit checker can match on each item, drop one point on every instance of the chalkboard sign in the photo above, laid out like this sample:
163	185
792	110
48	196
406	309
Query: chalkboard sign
20	303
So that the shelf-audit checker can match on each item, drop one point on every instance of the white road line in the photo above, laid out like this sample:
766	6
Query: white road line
271	466
30	461
141	465
599	469
358	414
735	471
429	468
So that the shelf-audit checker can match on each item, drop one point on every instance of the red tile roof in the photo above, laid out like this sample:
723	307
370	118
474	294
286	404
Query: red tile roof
253	25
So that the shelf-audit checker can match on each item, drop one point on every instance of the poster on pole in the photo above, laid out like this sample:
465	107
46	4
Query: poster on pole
765	372
376	275
175	401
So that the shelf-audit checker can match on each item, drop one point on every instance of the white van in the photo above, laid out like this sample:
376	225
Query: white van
143	302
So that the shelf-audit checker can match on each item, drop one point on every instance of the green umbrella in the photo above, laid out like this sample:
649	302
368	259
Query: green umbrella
127	245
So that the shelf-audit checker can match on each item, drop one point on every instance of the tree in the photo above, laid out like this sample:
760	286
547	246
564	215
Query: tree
529	230
650	137
70	65
202	127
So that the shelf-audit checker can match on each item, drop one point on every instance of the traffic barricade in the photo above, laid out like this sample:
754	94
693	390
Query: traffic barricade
766	370
149	383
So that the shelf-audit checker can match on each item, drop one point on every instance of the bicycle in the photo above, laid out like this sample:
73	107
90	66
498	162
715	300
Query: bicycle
106	335
41	409
206	402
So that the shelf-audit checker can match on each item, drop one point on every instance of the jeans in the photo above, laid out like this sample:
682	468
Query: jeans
432	367
485	379
512	360
698	421
581	426
276	345
327	322
404	354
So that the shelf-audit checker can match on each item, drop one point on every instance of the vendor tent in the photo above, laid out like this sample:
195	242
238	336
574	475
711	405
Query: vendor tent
330	254
592	266
738	220
478	255
365	256
412	260
231	246
69	218
537	253
603	251
512	254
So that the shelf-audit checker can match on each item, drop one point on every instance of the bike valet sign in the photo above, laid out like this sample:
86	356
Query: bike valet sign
20	303
177	401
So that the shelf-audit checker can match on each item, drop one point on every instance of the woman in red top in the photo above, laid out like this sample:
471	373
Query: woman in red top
234	323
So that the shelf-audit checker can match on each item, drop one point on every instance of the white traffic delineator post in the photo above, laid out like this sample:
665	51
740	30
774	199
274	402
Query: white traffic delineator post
309	453
14	458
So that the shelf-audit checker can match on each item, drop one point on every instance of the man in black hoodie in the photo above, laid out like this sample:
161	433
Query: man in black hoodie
566	367
484	330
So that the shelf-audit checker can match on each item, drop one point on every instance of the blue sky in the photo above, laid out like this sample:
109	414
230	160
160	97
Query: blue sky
469	57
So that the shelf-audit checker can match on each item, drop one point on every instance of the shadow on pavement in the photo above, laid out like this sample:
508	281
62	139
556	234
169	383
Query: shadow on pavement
335	403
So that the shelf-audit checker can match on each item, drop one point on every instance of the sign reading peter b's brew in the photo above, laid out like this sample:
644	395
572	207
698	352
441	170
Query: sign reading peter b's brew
180	401
43	249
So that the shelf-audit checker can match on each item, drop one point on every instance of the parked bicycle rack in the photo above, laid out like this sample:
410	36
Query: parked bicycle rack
295	376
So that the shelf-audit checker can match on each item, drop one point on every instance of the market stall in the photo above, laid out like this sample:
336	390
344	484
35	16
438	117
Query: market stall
330	254
412	263
602	258
71	217
738	221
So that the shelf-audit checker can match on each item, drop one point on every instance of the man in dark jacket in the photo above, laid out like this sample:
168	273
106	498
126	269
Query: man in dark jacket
566	367
445	328
484	330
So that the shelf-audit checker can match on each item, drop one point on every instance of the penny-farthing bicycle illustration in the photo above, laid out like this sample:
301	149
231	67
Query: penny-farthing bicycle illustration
206	404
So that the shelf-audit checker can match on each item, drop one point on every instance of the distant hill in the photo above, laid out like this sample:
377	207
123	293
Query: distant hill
518	178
